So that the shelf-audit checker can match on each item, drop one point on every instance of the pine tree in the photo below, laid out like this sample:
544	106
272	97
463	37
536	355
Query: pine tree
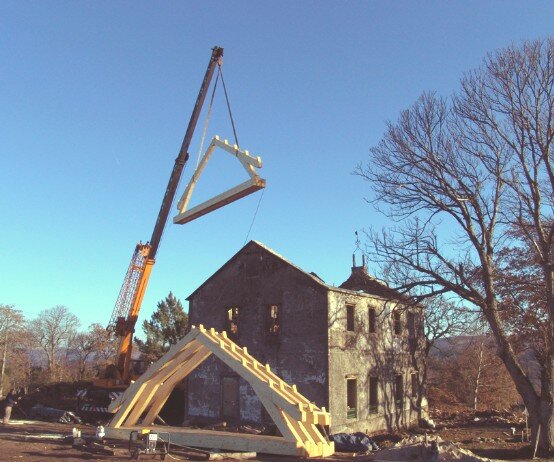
167	325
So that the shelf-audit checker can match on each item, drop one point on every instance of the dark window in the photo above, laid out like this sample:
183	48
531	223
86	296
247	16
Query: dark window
373	395
372	318
350	317
232	322
415	384
411	325
273	321
351	398
397	317
398	391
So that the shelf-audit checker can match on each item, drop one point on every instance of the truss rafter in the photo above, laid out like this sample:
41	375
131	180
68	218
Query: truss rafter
248	162
294	415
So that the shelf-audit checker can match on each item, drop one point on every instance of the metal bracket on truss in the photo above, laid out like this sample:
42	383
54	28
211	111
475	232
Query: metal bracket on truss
255	183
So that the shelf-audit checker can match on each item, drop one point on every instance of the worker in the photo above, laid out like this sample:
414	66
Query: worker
9	402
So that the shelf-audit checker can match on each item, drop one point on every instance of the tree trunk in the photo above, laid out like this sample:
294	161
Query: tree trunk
477	379
546	441
4	357
522	382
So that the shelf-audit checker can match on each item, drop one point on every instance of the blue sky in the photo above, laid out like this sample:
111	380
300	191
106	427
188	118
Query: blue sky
94	102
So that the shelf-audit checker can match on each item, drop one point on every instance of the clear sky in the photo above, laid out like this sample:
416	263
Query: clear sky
94	102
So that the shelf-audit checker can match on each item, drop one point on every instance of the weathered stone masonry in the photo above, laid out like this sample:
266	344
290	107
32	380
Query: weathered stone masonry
313	335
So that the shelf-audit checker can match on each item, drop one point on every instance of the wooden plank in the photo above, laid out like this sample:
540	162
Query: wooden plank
275	415
252	379
255	161
126	408
173	351
222	440
165	390
167	369
288	394
151	375
141	404
294	417
185	198
231	195
160	376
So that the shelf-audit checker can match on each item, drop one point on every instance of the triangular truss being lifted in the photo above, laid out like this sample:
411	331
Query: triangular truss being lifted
254	184
294	415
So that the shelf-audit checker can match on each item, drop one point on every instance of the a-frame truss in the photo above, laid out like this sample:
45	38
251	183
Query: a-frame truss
255	183
295	416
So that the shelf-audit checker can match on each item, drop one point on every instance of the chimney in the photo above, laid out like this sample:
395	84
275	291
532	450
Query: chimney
358	269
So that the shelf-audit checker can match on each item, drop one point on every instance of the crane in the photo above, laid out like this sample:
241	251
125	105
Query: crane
124	317
125	314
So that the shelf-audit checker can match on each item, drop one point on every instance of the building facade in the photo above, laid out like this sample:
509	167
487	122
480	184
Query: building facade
350	349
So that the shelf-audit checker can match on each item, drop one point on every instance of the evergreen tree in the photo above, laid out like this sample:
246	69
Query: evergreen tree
167	325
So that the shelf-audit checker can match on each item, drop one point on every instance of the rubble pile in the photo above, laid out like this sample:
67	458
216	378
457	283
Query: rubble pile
421	447
450	452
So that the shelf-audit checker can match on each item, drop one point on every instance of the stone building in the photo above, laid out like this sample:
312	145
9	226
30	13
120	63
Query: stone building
349	348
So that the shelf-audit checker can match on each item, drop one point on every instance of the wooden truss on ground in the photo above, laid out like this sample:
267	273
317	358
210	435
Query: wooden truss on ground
255	183
295	416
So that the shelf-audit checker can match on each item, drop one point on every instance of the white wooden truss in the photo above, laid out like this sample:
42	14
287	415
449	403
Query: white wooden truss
294	415
255	183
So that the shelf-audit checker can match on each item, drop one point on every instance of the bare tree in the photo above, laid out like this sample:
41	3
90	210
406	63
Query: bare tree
440	319
52	330
92	349
11	321
458	174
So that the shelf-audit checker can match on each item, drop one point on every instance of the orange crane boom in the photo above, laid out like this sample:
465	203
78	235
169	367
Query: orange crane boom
129	301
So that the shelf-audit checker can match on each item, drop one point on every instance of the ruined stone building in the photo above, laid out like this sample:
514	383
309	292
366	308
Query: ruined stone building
348	348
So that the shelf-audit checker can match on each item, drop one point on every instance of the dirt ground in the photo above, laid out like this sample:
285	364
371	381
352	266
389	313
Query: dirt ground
33	441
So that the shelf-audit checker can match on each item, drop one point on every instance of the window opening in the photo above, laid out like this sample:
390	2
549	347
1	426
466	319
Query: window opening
351	399
415	384
350	318
372	318
397	317
411	325
373	395
233	321
273	321
398	391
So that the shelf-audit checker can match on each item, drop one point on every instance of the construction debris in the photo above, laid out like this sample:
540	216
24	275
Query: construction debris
50	414
353	442
421	448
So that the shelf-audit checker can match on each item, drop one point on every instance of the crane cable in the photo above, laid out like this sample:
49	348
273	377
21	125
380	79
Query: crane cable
203	138
206	124
207	121
237	143
228	104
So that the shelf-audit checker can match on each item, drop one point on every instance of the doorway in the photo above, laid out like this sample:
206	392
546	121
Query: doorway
230	408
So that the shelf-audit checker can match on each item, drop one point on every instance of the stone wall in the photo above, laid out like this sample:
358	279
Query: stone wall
252	281
358	354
